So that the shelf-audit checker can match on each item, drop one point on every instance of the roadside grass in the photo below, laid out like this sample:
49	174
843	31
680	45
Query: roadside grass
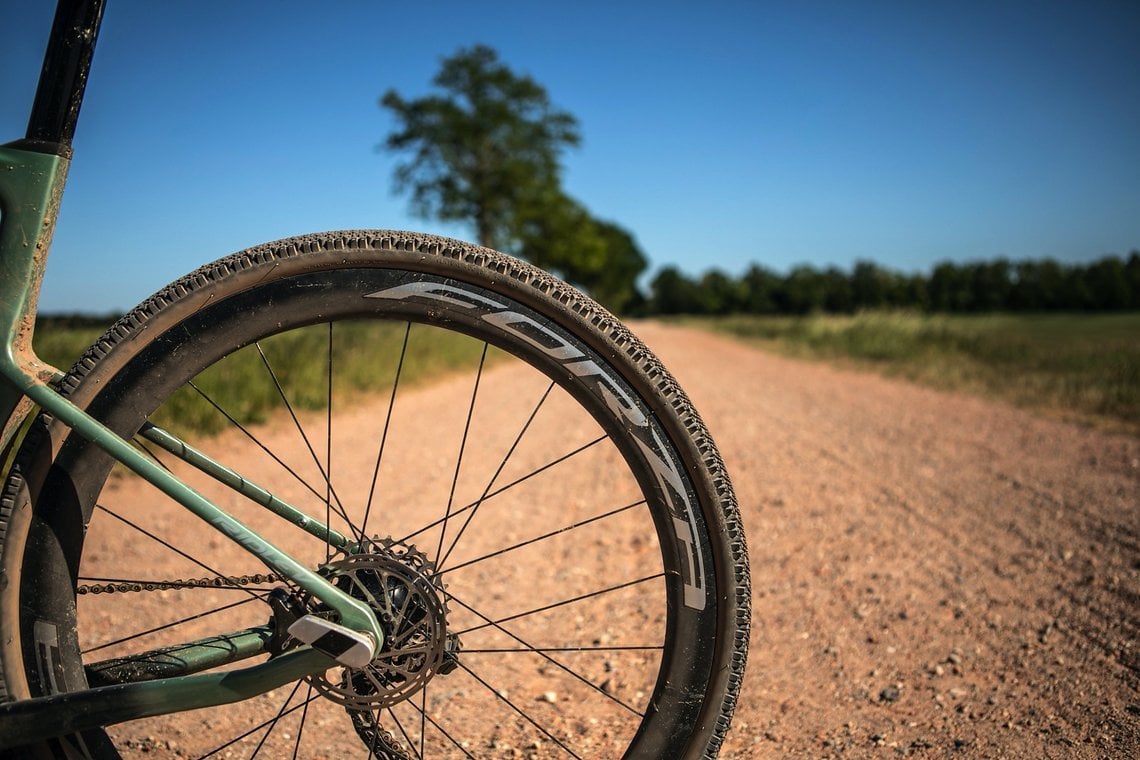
365	356
62	346
1082	367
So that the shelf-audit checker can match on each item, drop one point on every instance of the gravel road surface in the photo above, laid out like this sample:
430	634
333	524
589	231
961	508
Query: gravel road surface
934	575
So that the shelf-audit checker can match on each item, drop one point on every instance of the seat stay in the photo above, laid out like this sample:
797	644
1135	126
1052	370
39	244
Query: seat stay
242	485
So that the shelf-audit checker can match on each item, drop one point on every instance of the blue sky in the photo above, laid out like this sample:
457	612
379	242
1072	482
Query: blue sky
719	133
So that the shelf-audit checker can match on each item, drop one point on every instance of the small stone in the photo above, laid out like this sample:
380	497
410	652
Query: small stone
550	697
889	694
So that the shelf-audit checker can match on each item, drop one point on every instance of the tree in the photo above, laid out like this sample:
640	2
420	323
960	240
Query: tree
870	285
1132	273
762	289
674	293
949	288
478	151
718	293
805	290
1108	285
1038	286
558	234
616	287
990	285
838	294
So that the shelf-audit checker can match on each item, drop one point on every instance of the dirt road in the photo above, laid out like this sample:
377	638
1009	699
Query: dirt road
933	575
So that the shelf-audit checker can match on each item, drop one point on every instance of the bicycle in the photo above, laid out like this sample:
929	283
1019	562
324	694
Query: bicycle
570	582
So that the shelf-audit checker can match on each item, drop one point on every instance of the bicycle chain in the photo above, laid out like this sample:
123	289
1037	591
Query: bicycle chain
219	582
381	744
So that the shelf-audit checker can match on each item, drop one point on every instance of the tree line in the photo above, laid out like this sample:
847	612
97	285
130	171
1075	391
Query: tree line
485	148
1109	284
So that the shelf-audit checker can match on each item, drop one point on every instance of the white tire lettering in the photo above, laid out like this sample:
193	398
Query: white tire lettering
669	478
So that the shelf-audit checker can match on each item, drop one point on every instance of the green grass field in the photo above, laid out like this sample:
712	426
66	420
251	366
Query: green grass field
365	356
1083	367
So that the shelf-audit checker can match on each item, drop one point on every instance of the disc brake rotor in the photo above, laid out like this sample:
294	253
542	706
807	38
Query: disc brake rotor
399	583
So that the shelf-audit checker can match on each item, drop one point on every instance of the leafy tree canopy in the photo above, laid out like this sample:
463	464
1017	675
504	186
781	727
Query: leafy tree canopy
486	151
489	143
559	235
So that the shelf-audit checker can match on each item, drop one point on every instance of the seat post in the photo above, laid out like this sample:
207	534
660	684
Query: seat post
63	78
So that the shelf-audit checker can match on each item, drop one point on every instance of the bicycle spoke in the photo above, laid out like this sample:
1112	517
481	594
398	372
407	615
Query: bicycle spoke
387	423
274	721
265	449
543	537
368	595
403	732
146	450
462	448
301	721
423	719
328	447
534	650
517	709
548	658
446	735
261	725
174	548
498	471
308	445
509	486
170	625
565	602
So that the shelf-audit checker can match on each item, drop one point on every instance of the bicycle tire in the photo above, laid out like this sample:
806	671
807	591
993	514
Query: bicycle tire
550	330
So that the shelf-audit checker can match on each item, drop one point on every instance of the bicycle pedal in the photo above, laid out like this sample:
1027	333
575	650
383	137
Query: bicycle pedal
350	648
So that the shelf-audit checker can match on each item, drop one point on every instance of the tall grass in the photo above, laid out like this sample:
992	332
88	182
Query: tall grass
246	383
61	346
1082	366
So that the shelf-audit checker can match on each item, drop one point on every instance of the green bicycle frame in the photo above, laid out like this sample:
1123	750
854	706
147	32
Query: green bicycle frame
32	177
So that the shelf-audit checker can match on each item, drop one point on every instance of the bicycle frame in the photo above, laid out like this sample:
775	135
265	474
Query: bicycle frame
32	177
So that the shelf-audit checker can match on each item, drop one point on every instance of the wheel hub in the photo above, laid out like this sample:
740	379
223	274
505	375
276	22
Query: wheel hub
400	584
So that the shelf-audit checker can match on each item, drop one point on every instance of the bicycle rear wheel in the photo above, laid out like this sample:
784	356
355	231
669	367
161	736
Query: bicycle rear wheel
511	480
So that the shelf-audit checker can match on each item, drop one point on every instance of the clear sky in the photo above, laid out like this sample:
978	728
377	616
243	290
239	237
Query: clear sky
719	133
